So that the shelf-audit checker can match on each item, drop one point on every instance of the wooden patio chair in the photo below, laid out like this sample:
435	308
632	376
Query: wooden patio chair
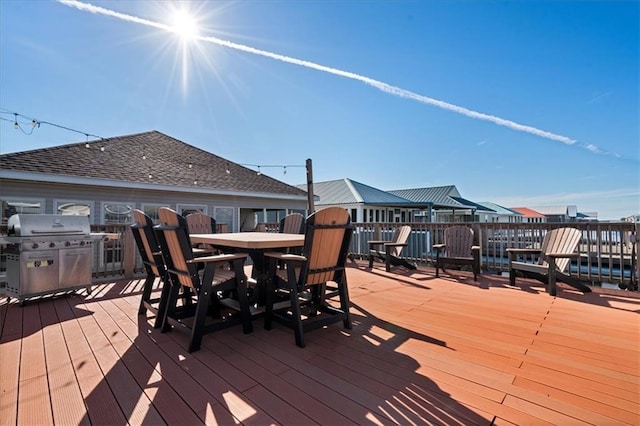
292	223
458	249
150	252
553	258
304	277
201	223
206	285
392	250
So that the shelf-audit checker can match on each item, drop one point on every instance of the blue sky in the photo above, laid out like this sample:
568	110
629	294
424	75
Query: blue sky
521	103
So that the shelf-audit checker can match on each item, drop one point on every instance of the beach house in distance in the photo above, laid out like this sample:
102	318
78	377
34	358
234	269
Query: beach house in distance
372	205
107	178
430	204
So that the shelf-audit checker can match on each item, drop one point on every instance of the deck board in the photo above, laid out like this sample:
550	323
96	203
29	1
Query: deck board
421	351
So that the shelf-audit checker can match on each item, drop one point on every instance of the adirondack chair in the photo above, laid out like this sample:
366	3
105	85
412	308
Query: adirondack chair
304	277
206	285
553	257
458	249
392	250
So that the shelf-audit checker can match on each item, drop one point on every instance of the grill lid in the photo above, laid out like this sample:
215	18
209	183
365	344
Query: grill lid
30	225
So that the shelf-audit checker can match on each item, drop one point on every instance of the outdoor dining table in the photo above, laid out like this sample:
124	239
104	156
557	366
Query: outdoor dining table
255	244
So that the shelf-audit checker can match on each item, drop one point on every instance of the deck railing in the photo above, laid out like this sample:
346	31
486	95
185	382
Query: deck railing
608	251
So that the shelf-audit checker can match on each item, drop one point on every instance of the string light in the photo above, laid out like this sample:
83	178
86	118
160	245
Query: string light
36	124
260	166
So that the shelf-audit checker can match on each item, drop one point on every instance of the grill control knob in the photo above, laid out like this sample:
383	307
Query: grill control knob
81	243
34	246
52	244
67	243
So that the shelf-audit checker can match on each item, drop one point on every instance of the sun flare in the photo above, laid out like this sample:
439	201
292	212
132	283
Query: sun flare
184	25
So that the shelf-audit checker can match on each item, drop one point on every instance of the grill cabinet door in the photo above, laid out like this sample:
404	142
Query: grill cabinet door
39	271
75	267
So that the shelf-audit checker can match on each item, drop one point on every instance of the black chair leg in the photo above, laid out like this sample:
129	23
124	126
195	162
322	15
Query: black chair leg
146	293
297	318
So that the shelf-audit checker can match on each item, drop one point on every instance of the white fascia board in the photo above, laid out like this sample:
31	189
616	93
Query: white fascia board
75	180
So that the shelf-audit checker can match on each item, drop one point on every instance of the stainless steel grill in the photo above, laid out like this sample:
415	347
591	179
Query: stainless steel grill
47	254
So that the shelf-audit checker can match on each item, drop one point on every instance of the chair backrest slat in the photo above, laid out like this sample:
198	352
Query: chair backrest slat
292	223
400	236
458	240
176	242
560	240
200	223
327	237
146	240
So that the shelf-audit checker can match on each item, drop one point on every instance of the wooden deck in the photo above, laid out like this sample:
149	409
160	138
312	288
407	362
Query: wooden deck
421	351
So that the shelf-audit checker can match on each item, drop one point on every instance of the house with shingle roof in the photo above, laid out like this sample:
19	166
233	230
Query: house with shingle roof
109	177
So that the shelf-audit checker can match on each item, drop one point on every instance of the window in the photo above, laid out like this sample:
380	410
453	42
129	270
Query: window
73	207
151	210
115	212
185	209
224	215
11	206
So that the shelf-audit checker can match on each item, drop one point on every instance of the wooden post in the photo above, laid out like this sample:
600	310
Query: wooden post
310	201
128	245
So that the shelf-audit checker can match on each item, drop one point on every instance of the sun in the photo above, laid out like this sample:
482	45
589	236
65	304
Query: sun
184	24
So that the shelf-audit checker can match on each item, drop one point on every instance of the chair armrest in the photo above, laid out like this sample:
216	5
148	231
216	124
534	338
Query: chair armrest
439	246
218	258
285	256
475	248
202	251
376	242
524	250
563	255
395	244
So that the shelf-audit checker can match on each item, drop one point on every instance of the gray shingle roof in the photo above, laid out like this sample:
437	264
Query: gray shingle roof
150	158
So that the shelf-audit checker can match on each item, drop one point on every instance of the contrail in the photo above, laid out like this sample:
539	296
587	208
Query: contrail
384	87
